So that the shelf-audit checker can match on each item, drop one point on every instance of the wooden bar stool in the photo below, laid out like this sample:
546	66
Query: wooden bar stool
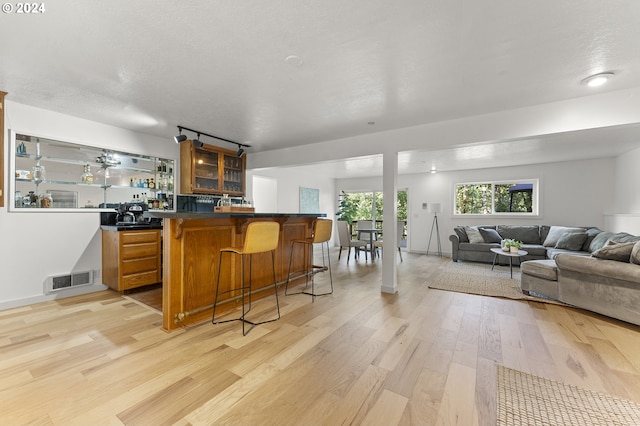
321	234
261	237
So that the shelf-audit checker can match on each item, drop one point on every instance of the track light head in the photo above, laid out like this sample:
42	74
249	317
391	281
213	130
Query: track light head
197	141
180	138
240	152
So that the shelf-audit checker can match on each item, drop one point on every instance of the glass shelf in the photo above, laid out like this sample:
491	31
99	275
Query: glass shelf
64	167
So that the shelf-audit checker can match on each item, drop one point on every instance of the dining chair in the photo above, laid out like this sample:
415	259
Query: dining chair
345	239
399	235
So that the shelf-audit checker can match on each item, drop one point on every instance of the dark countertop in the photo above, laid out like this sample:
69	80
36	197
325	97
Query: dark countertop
213	215
137	227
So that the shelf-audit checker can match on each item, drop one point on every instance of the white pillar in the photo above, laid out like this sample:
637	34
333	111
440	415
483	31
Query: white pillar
390	217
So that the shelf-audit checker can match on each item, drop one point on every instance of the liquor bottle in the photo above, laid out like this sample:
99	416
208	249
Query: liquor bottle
87	176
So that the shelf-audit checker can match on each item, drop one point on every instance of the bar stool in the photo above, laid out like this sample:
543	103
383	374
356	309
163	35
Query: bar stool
261	237
321	234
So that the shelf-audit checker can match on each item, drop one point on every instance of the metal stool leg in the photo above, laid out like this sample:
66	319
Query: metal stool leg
245	295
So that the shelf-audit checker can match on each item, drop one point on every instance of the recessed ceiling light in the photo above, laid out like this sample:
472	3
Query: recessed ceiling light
598	79
293	60
433	169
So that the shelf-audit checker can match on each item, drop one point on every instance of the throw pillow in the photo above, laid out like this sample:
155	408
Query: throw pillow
490	235
635	254
615	251
571	241
555	232
461	233
600	240
474	234
591	234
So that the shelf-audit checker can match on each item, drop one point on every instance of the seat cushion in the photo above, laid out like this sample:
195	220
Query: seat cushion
545	269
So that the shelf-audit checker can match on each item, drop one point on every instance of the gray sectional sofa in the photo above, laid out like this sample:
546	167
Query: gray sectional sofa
535	238
601	275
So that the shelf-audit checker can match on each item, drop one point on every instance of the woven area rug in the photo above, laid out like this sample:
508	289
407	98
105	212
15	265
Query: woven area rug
524	399
478	278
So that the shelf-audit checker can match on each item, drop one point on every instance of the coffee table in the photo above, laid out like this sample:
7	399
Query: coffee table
500	252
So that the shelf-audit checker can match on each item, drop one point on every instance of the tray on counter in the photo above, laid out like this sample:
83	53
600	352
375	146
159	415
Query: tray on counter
234	209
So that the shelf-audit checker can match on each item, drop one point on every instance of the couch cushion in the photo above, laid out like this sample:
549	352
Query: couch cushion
555	232
535	249
490	235
526	234
545	269
461	233
552	252
572	241
635	254
623	237
478	247
599	241
591	234
615	251
474	234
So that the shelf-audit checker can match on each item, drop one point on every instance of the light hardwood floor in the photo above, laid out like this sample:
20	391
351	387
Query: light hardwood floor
420	357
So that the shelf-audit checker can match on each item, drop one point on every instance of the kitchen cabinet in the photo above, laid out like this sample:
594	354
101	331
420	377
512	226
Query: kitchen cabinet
211	170
132	258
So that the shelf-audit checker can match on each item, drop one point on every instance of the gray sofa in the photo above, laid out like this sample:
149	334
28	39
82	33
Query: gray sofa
535	239
602	276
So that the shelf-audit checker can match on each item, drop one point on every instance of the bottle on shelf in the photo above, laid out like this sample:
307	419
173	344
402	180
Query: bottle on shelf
87	176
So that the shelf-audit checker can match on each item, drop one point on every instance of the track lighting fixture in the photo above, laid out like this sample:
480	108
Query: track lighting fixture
197	142
180	137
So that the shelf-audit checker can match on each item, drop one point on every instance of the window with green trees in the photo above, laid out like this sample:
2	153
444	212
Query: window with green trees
367	206
519	197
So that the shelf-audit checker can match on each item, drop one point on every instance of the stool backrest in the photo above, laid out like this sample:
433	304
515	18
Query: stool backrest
261	237
322	230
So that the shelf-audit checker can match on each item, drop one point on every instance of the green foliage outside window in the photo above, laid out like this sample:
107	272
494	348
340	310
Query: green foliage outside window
359	205
487	198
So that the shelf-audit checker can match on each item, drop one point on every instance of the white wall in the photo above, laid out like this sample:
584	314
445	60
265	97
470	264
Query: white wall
287	191
35	245
626	213
572	193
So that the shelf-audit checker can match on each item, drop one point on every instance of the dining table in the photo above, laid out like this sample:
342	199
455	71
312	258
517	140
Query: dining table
372	237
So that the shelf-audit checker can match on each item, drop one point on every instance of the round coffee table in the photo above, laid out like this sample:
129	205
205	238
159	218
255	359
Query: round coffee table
499	251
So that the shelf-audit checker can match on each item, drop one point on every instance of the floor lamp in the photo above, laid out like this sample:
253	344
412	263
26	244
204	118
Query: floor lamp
435	208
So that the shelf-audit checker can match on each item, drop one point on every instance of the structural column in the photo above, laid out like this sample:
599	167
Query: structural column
389	228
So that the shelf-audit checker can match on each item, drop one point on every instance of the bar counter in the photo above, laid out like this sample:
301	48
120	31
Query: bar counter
191	247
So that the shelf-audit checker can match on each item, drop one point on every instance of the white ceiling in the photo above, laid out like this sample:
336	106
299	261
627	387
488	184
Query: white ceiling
224	67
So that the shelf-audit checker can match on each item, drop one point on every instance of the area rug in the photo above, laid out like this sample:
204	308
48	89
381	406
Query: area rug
478	278
524	399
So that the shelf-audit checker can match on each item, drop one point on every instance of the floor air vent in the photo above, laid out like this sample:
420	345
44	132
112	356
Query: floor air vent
61	282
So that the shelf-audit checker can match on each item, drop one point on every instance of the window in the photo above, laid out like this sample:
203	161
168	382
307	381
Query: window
512	198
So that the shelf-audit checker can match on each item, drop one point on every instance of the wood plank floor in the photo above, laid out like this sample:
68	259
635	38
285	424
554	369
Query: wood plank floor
420	357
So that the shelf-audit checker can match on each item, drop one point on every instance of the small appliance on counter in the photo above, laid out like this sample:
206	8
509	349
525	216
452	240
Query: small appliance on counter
129	214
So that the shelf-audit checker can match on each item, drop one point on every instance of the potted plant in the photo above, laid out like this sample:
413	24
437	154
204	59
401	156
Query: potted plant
511	245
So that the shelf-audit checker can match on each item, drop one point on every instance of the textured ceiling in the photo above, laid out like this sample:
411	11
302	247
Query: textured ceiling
222	67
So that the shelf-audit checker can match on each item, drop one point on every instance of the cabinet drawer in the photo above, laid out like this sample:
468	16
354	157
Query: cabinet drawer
139	265
137	280
135	251
137	237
